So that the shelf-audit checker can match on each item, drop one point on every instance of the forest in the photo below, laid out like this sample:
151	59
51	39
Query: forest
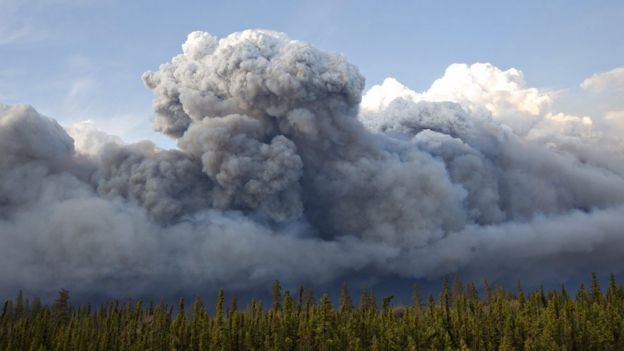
460	317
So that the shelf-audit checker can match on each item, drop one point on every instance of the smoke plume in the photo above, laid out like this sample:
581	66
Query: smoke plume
283	171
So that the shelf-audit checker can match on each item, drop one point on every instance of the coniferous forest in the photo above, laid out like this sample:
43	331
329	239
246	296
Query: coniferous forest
460	318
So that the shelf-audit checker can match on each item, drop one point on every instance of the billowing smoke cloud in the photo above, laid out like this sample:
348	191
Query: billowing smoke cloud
283	171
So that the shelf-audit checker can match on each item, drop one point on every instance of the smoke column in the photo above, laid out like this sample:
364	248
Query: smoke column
283	171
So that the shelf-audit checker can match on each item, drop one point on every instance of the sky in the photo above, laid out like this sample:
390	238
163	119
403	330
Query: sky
81	59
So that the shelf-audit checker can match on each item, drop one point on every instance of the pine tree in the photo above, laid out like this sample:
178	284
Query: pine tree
19	305
217	333
385	302
459	320
345	300
180	335
60	308
596	292
276	296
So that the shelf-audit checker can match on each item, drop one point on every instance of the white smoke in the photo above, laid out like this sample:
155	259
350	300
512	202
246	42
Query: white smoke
284	172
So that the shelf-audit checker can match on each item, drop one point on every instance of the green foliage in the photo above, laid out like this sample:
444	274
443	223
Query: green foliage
458	320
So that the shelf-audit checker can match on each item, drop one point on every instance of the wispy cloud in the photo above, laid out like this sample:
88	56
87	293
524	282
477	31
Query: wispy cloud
79	90
613	79
26	22
17	25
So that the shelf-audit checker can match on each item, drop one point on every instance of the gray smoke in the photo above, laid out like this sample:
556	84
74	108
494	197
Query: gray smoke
279	175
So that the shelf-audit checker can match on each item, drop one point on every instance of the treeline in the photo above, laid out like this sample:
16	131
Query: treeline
459	319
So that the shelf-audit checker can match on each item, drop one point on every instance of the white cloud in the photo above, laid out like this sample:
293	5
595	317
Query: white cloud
561	124
615	118
89	139
485	90
613	79
480	87
130	127
615	115
485	85
380	96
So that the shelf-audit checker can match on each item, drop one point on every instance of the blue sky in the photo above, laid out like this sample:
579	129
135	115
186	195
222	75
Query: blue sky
82	59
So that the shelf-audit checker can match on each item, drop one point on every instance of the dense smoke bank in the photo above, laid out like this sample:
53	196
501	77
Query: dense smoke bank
284	171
